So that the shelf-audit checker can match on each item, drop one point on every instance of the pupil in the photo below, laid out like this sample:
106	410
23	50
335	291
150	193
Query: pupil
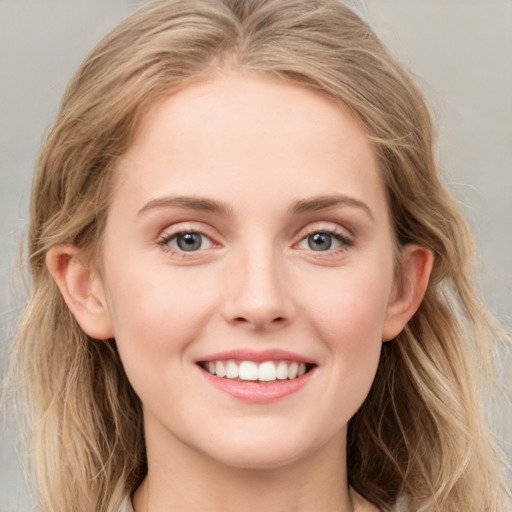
319	242
189	241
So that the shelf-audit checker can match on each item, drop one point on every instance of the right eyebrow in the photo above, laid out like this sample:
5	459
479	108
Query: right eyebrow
189	202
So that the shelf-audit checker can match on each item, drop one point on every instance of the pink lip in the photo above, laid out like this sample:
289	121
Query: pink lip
258	392
256	356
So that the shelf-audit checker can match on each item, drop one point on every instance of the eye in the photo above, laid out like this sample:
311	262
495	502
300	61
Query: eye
322	241
187	241
319	241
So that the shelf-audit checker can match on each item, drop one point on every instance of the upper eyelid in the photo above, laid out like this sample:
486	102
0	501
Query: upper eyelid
187	227
343	234
171	231
344	240
164	237
324	227
171	235
205	229
164	243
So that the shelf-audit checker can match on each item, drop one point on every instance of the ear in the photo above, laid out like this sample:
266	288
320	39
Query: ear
409	289
81	288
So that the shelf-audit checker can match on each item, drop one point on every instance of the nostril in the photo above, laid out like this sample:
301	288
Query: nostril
260	323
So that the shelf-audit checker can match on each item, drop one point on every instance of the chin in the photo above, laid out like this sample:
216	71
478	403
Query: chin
257	459
264	451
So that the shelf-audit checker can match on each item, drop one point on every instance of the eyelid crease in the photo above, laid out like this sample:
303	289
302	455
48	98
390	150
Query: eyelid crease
328	227
166	235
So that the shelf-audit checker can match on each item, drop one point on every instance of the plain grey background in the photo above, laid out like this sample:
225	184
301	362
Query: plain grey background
459	51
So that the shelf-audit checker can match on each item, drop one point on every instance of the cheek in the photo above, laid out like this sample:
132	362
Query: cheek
349	305
156	317
347	310
157	310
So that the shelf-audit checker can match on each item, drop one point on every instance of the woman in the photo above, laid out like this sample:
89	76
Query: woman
250	288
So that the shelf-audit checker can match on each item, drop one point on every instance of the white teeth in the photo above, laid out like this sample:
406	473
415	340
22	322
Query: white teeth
248	370
266	371
219	369
292	370
231	369
282	370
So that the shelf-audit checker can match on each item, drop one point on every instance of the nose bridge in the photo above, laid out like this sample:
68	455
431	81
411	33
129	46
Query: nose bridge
257	295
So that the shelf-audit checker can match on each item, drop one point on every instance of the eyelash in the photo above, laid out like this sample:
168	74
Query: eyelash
341	237
168	237
344	241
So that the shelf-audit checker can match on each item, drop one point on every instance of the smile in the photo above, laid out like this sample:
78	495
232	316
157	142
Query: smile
257	376
265	371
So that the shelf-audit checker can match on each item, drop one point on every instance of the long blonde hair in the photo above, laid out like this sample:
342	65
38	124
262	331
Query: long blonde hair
420	433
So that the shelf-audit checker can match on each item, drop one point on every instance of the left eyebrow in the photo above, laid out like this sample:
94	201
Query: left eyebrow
329	201
188	202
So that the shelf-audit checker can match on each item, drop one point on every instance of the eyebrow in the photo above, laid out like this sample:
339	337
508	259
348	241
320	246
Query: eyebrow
330	201
190	202
301	206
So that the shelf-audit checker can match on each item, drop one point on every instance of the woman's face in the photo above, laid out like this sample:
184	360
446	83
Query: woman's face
249	232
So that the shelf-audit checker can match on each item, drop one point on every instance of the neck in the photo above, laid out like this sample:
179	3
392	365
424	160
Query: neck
180	479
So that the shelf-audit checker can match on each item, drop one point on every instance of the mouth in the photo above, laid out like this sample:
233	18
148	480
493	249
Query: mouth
257	377
270	371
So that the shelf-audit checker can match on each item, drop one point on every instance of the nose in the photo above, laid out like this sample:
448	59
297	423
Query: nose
257	294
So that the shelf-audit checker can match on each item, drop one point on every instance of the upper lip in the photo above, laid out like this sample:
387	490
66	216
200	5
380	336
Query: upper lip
257	356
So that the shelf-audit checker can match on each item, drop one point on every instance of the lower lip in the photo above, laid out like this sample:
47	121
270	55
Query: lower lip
258	392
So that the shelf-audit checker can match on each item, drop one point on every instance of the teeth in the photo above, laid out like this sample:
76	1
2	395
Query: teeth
231	369
220	370
282	370
248	370
292	370
266	371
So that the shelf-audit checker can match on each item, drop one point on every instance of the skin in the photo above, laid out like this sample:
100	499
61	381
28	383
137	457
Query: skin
261	150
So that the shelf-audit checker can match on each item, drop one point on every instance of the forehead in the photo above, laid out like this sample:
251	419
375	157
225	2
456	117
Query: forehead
238	131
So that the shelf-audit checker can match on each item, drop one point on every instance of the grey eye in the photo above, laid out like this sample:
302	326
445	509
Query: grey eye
323	241
189	241
319	241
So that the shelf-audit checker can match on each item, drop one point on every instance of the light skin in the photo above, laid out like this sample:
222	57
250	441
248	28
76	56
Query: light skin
263	175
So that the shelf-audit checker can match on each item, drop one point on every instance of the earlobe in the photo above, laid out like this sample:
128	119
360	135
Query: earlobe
409	290
81	289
